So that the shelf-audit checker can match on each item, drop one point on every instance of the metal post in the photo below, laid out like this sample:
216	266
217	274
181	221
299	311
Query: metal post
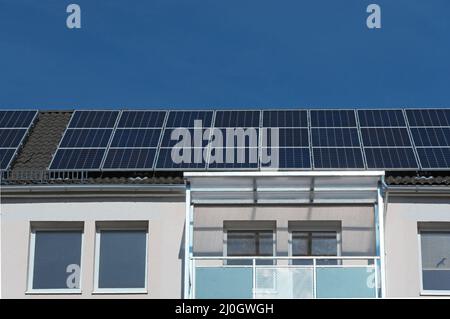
375	265
254	277
379	221
187	245
314	279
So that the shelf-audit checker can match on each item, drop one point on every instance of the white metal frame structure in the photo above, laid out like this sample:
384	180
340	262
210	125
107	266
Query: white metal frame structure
287	187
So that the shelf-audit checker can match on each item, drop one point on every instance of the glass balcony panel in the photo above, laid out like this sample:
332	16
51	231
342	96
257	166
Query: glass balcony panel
224	282
286	283
346	282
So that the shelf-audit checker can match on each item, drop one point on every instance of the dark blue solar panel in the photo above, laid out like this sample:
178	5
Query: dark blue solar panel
385	137
371	118
134	158
239	137
183	137
338	158
390	158
288	118
85	138
77	159
142	119
16	118
285	137
430	117
188	118
237	119
431	136
6	155
136	138
181	158
333	118
335	137
434	158
285	158
11	137
234	158
93	119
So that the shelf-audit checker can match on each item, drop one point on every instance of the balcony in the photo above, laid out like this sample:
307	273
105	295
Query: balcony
285	277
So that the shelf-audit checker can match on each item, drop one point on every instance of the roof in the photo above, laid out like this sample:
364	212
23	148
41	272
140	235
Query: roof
35	155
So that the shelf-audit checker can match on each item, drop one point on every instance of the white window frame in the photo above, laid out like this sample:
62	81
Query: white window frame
120	227
425	229
312	229
31	254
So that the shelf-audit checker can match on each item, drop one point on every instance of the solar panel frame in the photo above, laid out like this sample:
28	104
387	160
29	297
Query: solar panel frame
167	142
173	167
134	135
68	141
288	137
31	114
80	151
113	151
84	148
256	120
360	128
425	159
420	121
184	166
160	114
303	119
6	156
332	139
395	150
169	123
356	151
313	119
362	117
155	148
431	136
71	123
282	160
236	166
31	120
252	119
385	137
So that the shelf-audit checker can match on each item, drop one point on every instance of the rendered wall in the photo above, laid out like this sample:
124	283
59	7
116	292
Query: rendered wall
165	246
402	241
358	233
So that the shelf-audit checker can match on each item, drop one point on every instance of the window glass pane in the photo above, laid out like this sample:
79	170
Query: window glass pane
314	244
57	257
265	243
300	244
241	243
122	259
249	243
435	260
324	244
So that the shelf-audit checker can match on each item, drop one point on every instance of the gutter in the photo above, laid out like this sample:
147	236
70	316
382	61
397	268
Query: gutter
418	190
93	190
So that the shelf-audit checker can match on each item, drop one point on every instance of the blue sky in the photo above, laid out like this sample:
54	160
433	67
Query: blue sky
224	54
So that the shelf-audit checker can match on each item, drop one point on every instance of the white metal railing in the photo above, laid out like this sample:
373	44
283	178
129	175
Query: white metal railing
285	277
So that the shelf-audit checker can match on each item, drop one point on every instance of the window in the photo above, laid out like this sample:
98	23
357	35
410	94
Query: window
55	258
435	251
249	239
250	243
314	240
121	257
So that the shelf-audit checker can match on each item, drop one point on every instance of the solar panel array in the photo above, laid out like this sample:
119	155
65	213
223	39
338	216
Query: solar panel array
14	126
335	139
